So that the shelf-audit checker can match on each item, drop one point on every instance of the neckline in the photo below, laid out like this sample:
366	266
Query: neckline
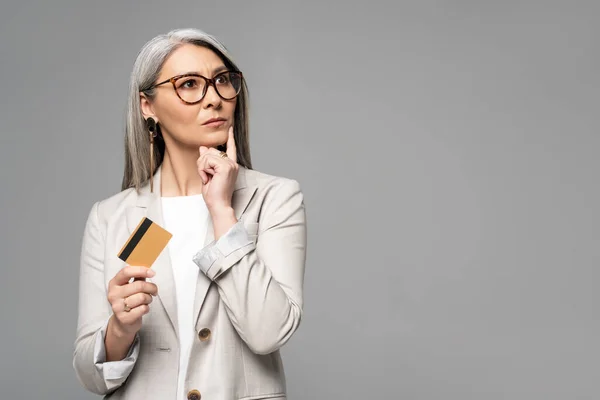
193	196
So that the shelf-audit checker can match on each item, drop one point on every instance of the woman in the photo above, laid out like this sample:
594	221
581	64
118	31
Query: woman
208	318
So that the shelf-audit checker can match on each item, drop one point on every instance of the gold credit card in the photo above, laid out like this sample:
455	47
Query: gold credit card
145	244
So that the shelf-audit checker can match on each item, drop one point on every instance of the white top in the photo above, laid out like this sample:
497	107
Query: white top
186	217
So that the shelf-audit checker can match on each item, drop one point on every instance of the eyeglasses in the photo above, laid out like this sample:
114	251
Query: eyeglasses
191	88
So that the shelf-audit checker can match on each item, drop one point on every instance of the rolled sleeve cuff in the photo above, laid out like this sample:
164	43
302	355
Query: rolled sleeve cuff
210	258
114	371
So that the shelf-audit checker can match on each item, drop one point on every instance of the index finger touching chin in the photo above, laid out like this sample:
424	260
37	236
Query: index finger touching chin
231	149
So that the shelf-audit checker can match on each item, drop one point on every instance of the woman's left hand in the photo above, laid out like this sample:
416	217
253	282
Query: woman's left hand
218	174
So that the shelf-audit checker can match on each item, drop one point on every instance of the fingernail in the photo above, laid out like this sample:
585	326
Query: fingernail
150	273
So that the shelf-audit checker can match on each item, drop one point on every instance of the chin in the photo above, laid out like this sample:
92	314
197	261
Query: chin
213	139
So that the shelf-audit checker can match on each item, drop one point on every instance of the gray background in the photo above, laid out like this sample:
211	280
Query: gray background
448	155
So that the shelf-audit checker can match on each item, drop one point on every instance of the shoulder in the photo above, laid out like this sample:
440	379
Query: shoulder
104	209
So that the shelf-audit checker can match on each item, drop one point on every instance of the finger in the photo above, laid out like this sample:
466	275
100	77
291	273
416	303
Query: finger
205	168
134	314
137	300
231	149
203	150
210	162
203	176
215	157
219	161
139	287
126	273
124	305
121	304
207	163
201	171
222	160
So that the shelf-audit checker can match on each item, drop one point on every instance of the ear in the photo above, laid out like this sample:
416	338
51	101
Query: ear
146	107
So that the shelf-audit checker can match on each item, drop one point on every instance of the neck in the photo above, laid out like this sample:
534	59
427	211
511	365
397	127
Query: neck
179	173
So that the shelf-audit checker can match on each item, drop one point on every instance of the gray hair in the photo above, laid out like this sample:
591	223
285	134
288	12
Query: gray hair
146	70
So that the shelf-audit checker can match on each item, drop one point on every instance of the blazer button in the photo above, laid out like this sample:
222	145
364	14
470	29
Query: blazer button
204	334
193	395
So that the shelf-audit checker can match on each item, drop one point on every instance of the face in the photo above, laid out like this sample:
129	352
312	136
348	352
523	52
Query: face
185	124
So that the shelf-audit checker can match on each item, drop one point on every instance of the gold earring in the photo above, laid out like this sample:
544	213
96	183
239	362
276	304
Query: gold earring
151	126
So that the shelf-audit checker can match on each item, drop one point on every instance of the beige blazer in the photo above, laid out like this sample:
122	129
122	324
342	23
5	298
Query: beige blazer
252	306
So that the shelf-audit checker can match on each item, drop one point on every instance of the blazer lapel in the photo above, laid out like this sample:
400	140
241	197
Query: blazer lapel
149	206
242	194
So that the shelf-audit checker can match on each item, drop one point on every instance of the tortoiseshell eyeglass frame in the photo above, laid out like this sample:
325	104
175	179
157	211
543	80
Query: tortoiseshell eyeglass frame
209	82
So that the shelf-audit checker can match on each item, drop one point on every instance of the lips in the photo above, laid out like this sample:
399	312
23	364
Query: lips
214	120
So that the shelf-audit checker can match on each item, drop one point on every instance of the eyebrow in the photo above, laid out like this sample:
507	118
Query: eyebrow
215	71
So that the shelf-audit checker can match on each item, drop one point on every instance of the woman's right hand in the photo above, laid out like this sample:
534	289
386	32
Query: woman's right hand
136	295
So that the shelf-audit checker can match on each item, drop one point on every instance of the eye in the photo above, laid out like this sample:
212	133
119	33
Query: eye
189	84
222	79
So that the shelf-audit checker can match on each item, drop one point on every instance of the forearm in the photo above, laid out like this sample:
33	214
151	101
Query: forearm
117	342
223	219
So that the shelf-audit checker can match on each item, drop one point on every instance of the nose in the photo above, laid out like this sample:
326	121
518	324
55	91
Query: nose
211	98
